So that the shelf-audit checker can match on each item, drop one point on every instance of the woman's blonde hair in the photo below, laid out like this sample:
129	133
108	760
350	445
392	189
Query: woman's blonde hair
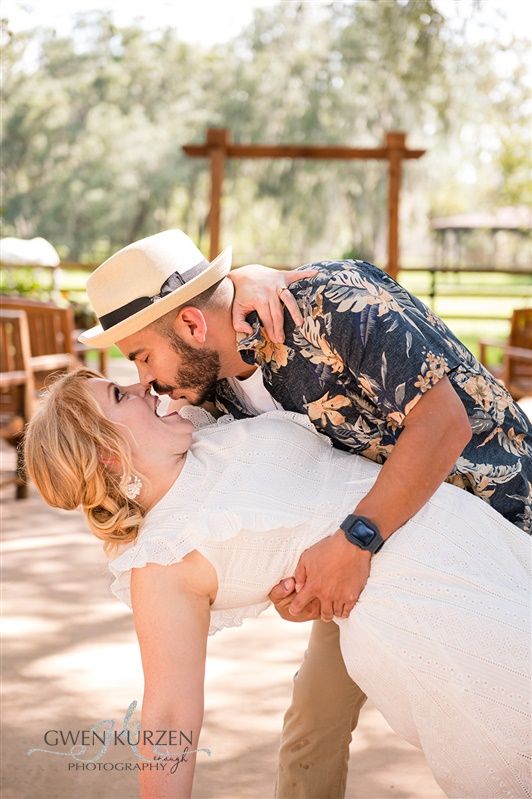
69	447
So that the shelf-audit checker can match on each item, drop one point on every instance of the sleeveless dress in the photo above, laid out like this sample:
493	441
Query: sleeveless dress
439	639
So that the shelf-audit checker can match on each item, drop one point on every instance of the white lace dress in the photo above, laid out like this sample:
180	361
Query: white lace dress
439	639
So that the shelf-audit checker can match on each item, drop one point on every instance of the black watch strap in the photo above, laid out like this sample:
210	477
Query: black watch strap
362	532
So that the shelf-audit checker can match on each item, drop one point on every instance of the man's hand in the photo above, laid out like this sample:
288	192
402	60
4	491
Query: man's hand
282	596
259	288
334	572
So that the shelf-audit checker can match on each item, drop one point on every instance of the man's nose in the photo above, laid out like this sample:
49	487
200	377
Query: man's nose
145	377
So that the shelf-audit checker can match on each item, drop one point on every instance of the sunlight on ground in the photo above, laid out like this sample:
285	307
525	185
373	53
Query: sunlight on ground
72	660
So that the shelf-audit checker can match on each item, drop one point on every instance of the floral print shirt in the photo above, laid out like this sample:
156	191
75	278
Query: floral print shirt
367	352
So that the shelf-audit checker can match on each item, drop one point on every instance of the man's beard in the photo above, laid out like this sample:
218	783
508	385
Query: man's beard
199	370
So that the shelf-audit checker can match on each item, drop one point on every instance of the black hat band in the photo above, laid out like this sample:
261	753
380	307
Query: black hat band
175	281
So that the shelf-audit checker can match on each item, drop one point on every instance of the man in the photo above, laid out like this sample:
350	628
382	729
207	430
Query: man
376	372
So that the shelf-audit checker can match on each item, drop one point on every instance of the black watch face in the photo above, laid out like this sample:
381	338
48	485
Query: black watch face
363	533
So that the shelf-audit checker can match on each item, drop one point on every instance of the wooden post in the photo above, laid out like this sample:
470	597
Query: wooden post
218	147
395	144
217	143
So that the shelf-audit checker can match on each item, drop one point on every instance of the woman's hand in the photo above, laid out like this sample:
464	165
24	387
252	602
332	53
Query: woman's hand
259	288
283	594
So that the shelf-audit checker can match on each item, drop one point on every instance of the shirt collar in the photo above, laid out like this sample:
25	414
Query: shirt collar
249	345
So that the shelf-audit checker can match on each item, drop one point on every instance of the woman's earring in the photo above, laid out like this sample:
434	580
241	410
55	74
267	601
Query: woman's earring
133	486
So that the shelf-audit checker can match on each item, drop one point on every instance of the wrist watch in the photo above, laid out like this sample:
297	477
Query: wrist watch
362	533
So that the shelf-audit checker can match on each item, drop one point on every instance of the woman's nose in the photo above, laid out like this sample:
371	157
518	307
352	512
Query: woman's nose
138	389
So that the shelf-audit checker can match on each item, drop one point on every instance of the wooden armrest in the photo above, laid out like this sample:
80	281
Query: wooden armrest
46	363
519	353
483	345
9	379
491	342
12	428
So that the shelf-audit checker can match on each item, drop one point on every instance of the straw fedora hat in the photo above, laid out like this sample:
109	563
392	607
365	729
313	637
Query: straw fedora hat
145	280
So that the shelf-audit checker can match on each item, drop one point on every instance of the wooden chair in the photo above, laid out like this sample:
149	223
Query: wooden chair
17	388
516	369
50	332
81	352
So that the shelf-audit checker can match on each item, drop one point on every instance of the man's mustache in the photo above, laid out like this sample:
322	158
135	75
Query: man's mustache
161	388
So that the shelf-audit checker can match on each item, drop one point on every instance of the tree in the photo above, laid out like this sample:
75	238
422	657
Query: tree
95	122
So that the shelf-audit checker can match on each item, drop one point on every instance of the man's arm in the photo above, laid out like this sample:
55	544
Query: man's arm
435	432
171	617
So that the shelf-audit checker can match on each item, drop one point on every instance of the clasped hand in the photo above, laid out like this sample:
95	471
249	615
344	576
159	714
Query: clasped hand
328	581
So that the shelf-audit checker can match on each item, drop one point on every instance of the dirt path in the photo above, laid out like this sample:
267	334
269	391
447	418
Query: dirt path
71	660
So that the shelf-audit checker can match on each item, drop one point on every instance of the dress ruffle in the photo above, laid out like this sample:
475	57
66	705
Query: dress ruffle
235	616
173	542
171	531
157	549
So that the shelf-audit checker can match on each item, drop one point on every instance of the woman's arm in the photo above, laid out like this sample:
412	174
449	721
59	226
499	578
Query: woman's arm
259	288
171	614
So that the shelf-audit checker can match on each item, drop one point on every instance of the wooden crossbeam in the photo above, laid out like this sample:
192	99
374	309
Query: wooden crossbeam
300	151
218	147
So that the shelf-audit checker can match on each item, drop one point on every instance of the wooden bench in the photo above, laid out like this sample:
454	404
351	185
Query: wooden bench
17	389
516	369
36	341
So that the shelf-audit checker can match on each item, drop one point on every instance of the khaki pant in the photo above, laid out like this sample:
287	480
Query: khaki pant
317	727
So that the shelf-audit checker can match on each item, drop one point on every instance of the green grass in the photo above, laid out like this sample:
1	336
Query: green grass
486	315
483	301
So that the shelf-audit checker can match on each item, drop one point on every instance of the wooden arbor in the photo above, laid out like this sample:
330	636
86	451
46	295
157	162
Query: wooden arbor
218	148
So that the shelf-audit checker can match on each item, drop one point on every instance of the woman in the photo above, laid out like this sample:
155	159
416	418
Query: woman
208	516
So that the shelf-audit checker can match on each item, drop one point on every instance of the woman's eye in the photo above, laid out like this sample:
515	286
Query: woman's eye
118	394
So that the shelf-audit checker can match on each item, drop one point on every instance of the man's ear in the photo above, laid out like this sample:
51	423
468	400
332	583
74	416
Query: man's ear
191	325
